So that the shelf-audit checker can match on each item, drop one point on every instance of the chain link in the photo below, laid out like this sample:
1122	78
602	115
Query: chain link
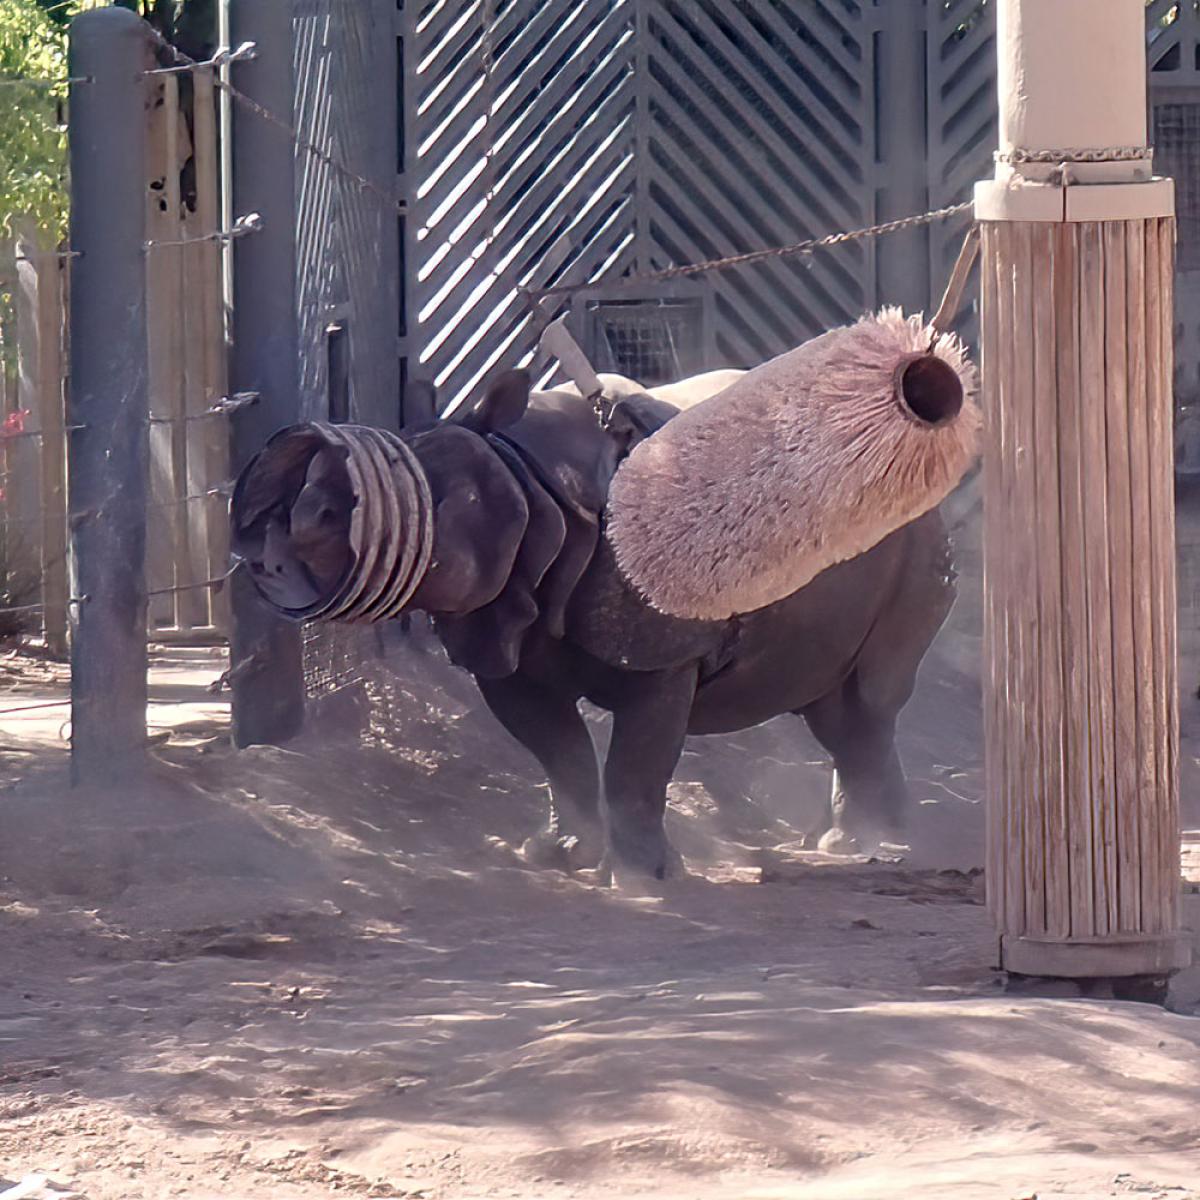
753	256
1054	157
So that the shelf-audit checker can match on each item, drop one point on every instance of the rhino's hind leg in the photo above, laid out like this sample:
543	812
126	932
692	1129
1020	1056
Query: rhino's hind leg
549	726
650	722
870	800
856	722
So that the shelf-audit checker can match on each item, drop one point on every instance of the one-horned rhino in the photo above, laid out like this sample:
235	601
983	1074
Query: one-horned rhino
525	595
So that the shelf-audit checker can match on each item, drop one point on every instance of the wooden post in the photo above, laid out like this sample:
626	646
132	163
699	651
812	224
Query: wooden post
40	301
209	447
191	602
1081	704
23	487
162	283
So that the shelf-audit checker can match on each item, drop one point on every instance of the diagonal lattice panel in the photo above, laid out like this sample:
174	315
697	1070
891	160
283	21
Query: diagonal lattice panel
758	134
521	149
1173	41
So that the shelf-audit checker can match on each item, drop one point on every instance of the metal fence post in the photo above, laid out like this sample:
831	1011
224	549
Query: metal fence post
267	673
109	52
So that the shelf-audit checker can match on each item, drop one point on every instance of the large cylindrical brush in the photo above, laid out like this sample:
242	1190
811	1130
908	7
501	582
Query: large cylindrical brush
804	462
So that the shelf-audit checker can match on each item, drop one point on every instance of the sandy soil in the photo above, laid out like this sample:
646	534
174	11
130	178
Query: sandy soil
324	970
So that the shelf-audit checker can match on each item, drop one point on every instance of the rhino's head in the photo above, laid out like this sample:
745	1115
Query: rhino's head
360	524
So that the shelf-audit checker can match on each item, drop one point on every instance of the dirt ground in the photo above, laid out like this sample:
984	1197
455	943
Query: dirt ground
289	973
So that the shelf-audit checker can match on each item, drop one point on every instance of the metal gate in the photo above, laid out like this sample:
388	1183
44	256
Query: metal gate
574	141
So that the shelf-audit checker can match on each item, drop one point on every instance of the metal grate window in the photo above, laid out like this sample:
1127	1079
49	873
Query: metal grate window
650	341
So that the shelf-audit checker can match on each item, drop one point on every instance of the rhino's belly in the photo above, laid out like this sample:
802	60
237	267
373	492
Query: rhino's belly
791	654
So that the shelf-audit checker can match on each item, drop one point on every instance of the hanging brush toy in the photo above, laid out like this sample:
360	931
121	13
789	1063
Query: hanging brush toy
804	462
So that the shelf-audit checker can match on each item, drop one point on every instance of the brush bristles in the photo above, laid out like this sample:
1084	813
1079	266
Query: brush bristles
804	462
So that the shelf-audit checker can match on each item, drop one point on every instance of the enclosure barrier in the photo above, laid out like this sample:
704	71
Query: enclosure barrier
146	409
1081	709
109	452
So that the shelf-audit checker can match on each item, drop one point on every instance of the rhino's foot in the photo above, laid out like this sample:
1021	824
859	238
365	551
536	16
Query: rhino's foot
649	856
873	845
838	841
556	851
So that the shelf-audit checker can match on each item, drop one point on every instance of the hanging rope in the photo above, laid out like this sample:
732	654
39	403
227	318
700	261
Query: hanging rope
952	298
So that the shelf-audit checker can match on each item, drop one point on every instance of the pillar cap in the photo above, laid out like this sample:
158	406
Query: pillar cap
1021	200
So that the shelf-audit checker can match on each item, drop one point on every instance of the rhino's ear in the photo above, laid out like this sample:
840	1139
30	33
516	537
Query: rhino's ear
420	403
503	404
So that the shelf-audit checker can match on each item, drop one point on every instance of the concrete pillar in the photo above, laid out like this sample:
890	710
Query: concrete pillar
109	393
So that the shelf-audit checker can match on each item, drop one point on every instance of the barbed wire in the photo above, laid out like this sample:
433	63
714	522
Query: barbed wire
244	53
224	407
216	583
36	705
151	702
48	255
250	223
34	81
40	517
187	63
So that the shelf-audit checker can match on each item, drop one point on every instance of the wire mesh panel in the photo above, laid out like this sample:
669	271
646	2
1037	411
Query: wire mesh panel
651	341
336	656
346	231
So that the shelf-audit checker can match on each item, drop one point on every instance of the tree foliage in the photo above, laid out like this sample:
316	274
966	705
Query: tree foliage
32	140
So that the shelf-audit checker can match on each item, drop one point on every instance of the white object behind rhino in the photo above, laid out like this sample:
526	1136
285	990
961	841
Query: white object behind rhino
804	462
683	395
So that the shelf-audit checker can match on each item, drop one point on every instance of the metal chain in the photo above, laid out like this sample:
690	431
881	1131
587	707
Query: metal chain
1112	154
753	256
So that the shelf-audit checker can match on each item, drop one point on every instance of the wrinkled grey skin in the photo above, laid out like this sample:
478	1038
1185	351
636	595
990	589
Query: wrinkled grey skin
527	597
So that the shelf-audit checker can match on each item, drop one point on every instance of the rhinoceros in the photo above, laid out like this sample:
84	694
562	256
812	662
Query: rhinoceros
525	594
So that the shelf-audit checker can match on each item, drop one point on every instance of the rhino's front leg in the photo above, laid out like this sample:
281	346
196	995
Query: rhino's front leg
548	724
650	720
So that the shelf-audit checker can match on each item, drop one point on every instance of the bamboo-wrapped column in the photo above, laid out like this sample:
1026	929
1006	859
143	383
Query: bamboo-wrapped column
1080	686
